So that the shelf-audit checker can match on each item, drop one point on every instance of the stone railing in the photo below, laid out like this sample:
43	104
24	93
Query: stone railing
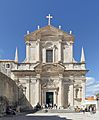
24	66
74	66
68	66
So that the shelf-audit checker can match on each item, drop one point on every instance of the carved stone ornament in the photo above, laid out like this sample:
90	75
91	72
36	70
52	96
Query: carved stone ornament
49	31
49	68
49	83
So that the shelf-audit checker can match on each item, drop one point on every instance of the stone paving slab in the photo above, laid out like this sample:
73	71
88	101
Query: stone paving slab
72	116
53	116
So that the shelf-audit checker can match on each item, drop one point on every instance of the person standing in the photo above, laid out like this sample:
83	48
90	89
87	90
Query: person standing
83	109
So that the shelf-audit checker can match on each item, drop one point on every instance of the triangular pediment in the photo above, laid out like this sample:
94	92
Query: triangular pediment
49	68
48	31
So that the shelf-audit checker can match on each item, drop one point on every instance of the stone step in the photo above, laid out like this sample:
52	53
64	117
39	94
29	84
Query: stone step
56	111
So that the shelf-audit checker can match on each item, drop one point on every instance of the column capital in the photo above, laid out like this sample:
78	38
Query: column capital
28	43
60	75
38	76
71	77
38	41
60	41
83	79
71	42
28	81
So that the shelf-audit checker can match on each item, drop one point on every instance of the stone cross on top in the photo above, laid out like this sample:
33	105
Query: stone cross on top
49	19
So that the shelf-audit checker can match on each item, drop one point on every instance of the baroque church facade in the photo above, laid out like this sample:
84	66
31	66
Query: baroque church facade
49	74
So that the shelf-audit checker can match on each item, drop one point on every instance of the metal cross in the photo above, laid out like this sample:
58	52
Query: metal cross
49	19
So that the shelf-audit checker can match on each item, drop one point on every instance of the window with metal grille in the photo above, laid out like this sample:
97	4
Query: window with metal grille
49	56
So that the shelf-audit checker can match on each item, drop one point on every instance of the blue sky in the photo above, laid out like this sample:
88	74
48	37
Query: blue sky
80	16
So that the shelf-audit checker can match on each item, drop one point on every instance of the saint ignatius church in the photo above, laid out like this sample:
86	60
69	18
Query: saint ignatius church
49	74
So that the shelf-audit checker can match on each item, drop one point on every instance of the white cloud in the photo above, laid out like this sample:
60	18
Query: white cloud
90	81
92	87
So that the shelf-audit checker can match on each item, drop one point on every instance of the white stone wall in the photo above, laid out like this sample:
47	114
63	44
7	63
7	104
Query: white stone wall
62	51
67	53
33	51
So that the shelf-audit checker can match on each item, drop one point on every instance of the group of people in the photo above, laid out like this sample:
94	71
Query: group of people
10	111
48	106
90	108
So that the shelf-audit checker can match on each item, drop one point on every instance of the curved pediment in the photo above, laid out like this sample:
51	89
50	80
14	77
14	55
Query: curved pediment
49	32
49	68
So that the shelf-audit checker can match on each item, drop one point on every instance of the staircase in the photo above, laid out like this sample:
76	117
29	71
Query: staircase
56	111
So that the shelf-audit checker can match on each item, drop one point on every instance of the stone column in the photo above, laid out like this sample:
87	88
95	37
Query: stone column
74	92
38	51
83	91
54	102
55	97
60	93
27	91
71	51
71	95
53	55
27	51
38	89
32	96
79	92
42	98
59	52
44	55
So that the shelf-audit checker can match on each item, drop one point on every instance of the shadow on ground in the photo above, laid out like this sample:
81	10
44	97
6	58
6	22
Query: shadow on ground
23	117
46	118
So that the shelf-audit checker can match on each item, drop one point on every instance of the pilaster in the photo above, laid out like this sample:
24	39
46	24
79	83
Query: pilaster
71	92
28	90
83	91
38	50
53	55
60	51
60	93
38	89
27	51
71	95
79	92
71	51
44	55
56	97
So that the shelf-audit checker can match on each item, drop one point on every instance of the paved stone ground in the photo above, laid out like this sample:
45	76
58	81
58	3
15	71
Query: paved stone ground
71	116
53	116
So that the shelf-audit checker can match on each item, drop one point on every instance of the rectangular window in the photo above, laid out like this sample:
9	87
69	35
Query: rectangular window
49	56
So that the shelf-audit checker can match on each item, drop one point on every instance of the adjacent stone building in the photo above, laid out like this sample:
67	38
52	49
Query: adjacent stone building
49	74
8	90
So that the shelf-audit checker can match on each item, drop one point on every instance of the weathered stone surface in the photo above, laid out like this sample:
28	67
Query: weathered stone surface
63	77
